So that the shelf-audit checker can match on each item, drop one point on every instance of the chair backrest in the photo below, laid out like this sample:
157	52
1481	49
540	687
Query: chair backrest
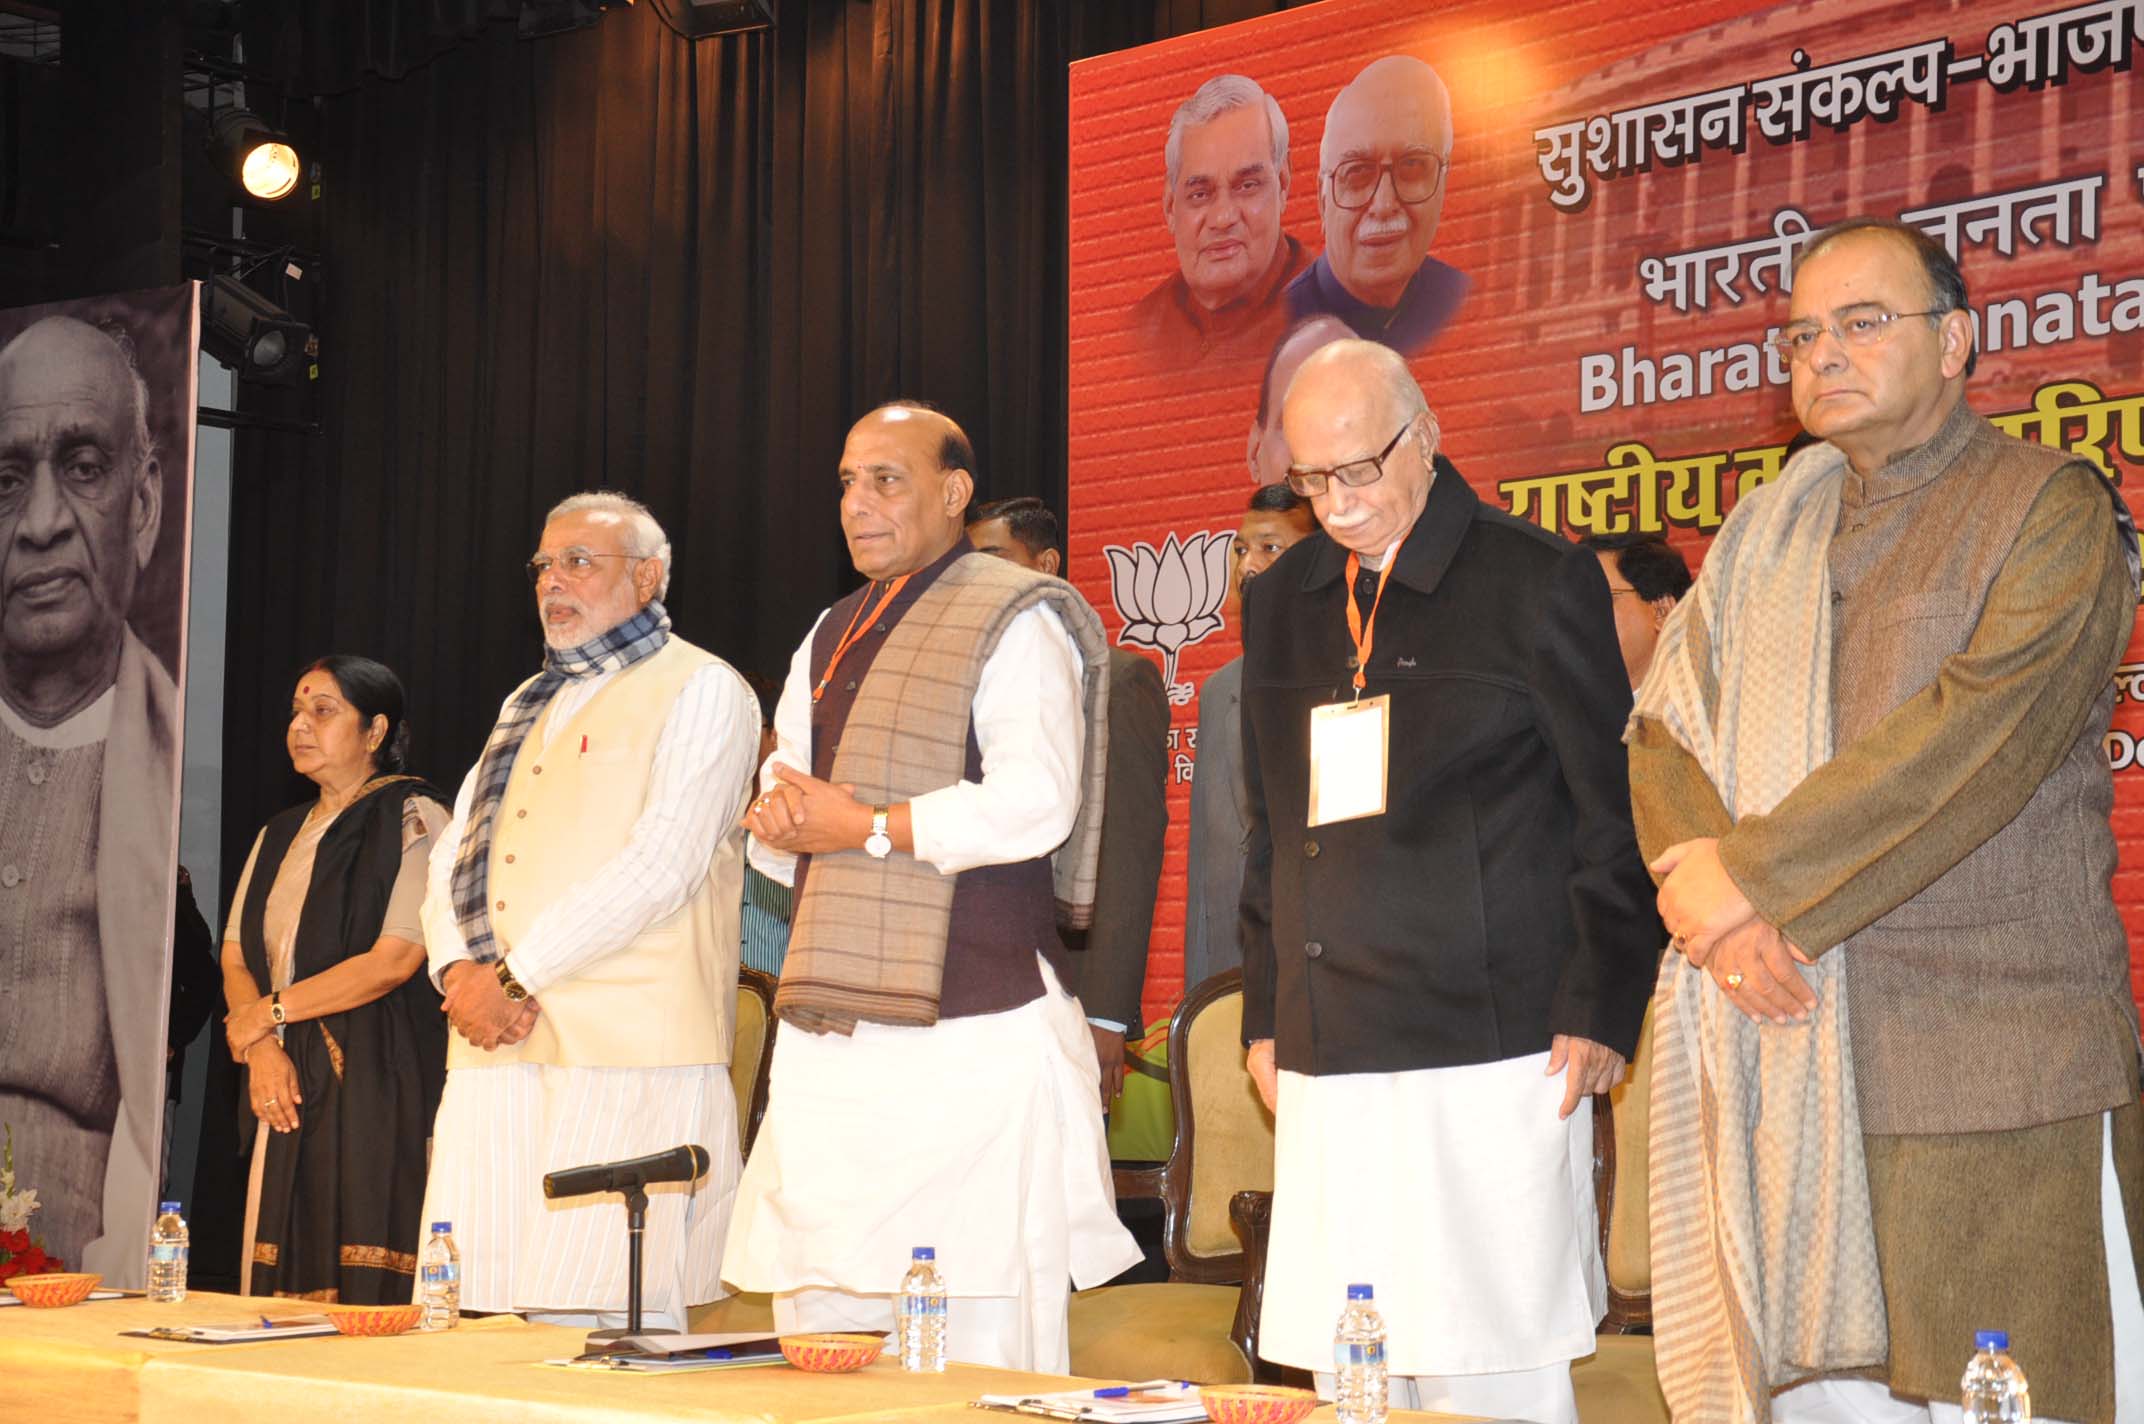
1622	1123
752	1051
1224	1136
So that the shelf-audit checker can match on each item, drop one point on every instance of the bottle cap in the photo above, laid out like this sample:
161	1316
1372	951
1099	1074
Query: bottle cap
1991	1339
442	1228
925	1253
1360	1293
167	1206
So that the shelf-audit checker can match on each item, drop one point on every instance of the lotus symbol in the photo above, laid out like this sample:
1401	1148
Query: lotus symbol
1170	597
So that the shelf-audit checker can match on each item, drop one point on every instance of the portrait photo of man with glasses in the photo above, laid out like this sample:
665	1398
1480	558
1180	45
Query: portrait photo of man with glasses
1382	176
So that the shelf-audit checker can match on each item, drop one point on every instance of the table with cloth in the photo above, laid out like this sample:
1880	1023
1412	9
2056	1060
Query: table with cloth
73	1364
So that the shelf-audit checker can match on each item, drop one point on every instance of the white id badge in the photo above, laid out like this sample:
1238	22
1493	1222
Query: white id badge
1348	745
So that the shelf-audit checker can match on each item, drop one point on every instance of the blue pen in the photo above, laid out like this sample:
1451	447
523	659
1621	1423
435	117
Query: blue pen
1119	1391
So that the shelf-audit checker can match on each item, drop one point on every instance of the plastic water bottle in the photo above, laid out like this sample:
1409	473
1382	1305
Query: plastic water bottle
919	1315
168	1246
1993	1390
1359	1360
439	1270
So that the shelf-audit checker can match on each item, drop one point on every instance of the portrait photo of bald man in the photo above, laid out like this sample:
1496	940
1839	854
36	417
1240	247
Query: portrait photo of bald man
1383	173
96	401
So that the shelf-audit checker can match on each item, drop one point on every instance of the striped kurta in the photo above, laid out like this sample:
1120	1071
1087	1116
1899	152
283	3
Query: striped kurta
500	1129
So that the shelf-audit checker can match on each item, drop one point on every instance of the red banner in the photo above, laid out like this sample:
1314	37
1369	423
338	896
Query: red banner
1607	246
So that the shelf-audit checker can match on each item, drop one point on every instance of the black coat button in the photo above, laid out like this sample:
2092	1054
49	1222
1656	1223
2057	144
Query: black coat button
1313	949
1310	849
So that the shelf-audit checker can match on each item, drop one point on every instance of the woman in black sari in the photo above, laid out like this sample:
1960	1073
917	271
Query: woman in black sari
341	1035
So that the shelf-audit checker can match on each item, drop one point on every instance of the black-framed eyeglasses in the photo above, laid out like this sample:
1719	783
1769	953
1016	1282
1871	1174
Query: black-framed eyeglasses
1415	179
573	564
1354	474
1864	326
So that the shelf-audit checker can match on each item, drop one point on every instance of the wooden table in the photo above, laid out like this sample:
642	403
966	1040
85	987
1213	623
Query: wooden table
72	1364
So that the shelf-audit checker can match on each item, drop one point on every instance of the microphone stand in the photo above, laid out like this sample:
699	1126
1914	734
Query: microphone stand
636	1227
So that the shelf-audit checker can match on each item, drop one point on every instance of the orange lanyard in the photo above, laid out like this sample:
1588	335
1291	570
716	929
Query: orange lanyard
1365	633
862	617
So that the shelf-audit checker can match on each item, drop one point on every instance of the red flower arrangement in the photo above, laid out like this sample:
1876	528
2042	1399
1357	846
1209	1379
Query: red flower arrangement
19	1254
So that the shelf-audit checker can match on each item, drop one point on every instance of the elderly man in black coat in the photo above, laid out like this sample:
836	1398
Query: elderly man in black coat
1448	933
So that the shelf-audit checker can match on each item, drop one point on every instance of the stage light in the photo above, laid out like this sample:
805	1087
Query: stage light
258	158
252	335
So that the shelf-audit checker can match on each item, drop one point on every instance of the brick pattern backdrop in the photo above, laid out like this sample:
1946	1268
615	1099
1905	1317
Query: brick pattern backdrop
1155	453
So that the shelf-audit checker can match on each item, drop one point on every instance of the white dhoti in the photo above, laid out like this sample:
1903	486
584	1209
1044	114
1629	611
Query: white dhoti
1460	1197
980	1137
501	1129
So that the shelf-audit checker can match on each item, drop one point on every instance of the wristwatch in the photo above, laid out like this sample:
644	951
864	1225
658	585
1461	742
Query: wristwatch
878	845
275	1008
514	992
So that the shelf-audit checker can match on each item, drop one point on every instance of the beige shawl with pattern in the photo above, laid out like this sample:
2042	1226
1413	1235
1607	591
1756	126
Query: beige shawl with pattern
1764	1255
869	938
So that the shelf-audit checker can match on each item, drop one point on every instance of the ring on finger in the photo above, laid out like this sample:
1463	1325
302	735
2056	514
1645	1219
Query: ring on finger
1733	981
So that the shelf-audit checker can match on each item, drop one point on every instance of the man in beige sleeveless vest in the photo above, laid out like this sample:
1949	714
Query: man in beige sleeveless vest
1895	1091
582	922
936	799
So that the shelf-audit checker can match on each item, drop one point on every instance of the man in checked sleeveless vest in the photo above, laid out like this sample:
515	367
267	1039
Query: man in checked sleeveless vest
1895	1090
935	797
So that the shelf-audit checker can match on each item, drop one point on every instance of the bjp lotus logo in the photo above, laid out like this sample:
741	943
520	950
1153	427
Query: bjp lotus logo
1170	597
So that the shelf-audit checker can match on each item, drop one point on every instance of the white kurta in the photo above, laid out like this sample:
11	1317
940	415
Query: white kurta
500	1129
979	1136
1457	1194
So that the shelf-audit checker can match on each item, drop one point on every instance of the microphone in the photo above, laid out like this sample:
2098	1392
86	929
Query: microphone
678	1164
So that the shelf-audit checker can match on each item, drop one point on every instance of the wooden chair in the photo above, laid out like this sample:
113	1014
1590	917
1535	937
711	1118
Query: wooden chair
751	1064
752	1051
1192	1326
1616	1384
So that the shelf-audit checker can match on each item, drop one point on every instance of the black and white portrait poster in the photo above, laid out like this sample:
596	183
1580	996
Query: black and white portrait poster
97	401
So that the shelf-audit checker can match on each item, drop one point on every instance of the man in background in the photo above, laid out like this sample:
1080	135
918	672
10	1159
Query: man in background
88	748
1647	576
1382	170
1225	190
1108	964
768	903
1268	453
1278	518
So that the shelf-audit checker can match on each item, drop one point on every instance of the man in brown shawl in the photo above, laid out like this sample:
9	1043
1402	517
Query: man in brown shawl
1868	763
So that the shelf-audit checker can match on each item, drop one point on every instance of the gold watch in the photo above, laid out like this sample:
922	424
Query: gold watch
514	992
275	1009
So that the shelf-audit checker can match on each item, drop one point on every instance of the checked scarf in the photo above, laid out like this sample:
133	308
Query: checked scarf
637	637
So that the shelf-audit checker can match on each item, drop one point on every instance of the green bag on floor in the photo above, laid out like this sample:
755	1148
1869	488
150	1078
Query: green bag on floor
1142	1121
